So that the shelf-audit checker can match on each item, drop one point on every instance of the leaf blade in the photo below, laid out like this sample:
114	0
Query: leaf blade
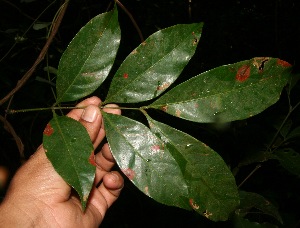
68	147
212	189
143	159
251	199
87	61
231	92
288	159
161	58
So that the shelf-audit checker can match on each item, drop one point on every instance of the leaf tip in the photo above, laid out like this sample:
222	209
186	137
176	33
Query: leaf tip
283	63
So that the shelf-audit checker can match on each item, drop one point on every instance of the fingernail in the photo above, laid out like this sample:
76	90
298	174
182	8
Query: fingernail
114	177
90	114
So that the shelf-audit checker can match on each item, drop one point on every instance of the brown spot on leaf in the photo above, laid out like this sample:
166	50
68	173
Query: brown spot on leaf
164	108
243	73
196	105
144	43
259	63
146	190
125	75
163	86
92	159
129	173
134	52
283	63
85	197
207	214
195	41
48	130
193	204
177	113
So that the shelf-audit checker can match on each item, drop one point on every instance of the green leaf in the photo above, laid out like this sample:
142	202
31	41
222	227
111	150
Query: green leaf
68	147
251	200
289	159
145	161
89	57
212	189
240	222
155	64
232	92
295	133
255	157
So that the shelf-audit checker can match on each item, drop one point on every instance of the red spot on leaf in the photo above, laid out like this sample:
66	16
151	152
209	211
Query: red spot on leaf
193	204
125	75
155	147
283	63
92	159
48	130
129	173
243	73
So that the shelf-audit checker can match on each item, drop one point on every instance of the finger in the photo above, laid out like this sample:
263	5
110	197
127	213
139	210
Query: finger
112	108
104	161
107	193
91	119
76	113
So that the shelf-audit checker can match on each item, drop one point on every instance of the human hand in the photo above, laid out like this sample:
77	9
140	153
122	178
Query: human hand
39	197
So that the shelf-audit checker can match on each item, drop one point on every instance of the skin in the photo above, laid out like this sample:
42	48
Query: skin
39	197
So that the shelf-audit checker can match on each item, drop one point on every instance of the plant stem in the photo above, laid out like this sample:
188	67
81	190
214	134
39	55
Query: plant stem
41	56
125	108
250	174
11	111
132	19
291	109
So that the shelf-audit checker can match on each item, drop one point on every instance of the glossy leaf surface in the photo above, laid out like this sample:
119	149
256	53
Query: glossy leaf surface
145	161
251	200
155	64
212	189
89	57
232	92
68	147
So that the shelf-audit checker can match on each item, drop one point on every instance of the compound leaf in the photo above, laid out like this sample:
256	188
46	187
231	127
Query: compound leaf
68	147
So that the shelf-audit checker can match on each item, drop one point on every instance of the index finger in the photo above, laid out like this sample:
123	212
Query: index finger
76	113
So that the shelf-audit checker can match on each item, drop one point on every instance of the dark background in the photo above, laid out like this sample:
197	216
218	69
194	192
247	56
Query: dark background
233	31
